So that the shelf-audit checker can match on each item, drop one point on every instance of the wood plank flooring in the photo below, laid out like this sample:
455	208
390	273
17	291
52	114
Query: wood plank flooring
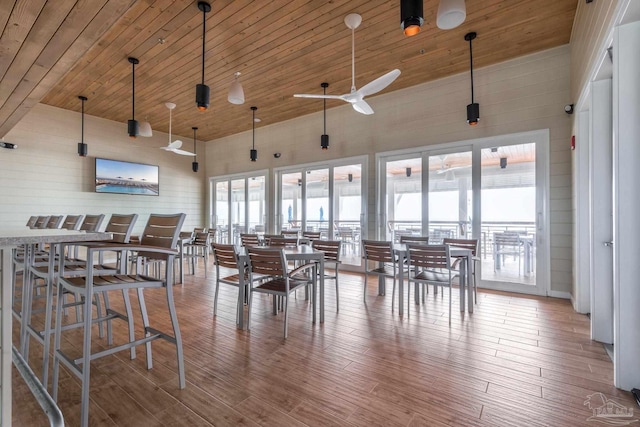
517	360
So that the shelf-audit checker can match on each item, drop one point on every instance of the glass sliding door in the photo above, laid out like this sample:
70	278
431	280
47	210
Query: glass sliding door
291	201
328	198
450	196
317	199
403	198
348	215
494	190
508	236
239	205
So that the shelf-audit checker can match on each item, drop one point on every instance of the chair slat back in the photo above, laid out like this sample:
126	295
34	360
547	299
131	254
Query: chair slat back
32	221
225	255
55	221
289	233
72	222
311	235
331	249
420	240
378	250
506	239
161	231
267	261
429	257
282	242
92	222
201	238
121	226
249	239
463	243
41	222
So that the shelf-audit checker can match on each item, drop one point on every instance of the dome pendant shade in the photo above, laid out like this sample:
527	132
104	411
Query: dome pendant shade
411	16
451	13
236	93
144	129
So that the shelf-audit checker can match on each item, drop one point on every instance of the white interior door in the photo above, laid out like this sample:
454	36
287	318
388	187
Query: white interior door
601	212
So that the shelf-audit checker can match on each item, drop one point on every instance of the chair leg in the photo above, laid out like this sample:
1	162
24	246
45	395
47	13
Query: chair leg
107	308
98	313
132	333
286	314
249	309
177	336
449	303
86	362
393	294
337	292
215	298
364	289
56	342
145	325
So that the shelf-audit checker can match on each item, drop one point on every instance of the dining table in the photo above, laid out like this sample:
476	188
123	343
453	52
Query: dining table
10	238
302	253
466	276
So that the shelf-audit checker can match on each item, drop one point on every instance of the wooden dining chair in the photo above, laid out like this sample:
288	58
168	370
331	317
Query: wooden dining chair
380	252
249	239
226	257
467	244
198	248
282	241
158	242
419	240
72	222
312	235
269	274
290	233
429	265
332	252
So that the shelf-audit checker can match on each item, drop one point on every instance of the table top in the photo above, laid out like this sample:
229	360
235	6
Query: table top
453	249
12	236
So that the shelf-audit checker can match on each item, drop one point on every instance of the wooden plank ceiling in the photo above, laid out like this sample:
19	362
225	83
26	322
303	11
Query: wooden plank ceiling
53	51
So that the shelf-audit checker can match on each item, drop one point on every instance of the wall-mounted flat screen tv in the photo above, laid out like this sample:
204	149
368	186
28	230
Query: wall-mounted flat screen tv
115	176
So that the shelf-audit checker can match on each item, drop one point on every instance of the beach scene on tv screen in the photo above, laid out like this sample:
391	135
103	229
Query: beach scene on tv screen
126	178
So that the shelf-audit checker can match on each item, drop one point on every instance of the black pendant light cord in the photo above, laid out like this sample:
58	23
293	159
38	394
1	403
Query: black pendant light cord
253	145
133	91
82	98
204	23
469	37
194	142
324	108
471	62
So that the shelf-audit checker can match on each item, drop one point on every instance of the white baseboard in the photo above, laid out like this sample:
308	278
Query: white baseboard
564	295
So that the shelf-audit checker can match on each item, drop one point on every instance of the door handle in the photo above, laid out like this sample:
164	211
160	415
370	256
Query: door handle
608	244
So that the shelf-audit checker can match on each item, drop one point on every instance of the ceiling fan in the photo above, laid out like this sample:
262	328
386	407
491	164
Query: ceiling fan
174	146
356	97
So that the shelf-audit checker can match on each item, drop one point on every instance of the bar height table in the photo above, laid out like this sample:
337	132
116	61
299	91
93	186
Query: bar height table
10	238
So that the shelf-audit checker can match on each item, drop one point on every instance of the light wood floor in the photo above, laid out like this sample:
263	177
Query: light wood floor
517	360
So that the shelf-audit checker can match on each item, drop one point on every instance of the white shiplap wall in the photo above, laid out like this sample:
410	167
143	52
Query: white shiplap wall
527	93
46	176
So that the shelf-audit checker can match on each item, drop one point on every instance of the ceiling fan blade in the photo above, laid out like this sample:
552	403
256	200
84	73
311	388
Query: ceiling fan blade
167	148
380	83
183	152
176	144
362	107
311	95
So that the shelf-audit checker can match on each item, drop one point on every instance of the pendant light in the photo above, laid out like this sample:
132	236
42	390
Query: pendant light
132	125
202	90
411	16
324	139
253	154
82	147
236	93
451	13
194	165
144	129
473	109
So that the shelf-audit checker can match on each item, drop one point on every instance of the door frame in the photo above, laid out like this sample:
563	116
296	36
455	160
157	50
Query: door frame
328	164
543	247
